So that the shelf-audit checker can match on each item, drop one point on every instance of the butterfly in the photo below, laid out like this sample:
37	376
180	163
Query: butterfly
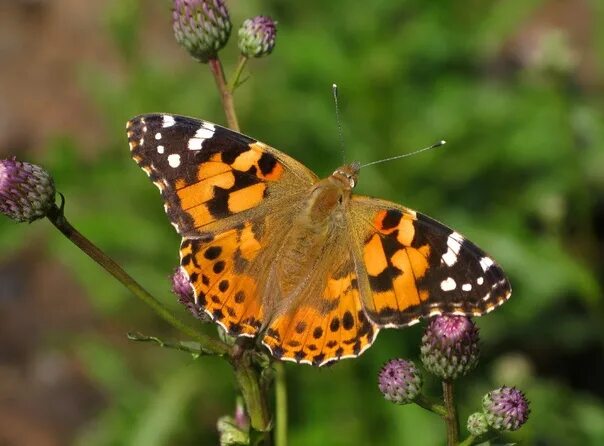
300	263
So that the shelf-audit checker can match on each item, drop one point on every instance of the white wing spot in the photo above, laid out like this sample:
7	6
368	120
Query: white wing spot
160	149
195	144
480	280
158	136
174	160
206	131
466	287
454	242
448	284
168	121
486	263
449	258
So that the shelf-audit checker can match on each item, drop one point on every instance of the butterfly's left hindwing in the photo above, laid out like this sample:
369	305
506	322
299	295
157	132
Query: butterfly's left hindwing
417	267
226	194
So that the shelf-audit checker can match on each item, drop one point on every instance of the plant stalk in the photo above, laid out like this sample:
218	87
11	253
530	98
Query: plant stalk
57	218
280	406
234	82
248	379
451	420
226	95
431	405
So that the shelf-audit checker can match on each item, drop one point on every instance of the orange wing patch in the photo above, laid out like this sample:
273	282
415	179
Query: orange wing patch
217	269
333	328
394	266
225	185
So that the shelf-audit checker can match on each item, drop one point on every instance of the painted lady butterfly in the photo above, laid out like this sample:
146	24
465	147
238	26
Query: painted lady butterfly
312	270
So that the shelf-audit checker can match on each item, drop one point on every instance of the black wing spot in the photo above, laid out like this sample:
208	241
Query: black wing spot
391	219
218	267
212	252
334	324
347	321
267	163
317	333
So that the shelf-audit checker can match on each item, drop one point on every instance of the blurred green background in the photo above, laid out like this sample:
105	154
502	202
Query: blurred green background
516	87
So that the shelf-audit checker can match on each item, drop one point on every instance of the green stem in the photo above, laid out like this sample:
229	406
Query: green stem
280	406
246	372
473	439
431	405
451	420
469	441
234	82
57	218
226	96
188	347
248	379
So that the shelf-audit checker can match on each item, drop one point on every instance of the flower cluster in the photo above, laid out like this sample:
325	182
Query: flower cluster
27	192
505	408
203	27
449	347
400	381
450	350
181	286
257	36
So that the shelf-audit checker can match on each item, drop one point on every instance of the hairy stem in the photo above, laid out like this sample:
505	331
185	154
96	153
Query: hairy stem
57	218
226	95
451	420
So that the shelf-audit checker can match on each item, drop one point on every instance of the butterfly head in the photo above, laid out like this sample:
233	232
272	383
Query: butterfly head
347	174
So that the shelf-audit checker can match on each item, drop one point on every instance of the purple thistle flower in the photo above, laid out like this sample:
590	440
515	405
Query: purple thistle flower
400	381
477	424
181	286
506	408
450	346
202	27
27	192
257	36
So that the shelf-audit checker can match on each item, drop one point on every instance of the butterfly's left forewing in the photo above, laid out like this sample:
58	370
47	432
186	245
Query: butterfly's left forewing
414	266
212	178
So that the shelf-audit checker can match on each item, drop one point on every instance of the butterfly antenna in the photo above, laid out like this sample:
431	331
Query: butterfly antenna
339	122
405	155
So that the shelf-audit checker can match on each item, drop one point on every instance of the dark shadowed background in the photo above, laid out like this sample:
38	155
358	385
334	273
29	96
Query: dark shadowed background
515	86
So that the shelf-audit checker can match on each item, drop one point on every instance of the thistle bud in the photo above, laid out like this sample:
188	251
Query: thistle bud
202	27
400	381
450	346
181	286
257	36
477	424
27	192
506	408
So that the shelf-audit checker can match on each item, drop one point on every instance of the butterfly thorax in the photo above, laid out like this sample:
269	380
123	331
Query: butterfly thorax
321	217
329	197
